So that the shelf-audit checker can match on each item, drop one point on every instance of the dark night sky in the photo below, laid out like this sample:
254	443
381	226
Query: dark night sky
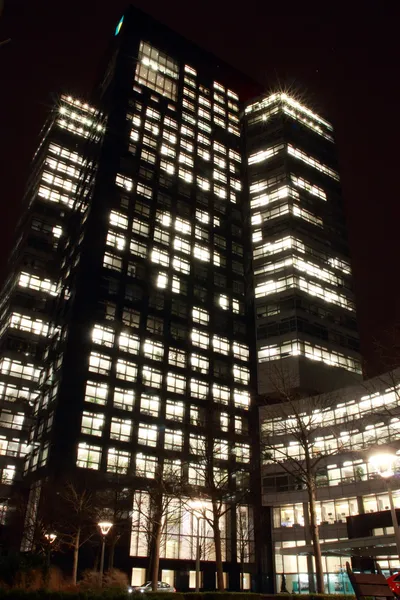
343	55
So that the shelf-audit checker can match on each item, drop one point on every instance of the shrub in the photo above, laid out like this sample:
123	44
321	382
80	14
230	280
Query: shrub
116	579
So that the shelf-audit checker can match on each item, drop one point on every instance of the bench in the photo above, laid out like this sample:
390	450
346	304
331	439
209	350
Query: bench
369	584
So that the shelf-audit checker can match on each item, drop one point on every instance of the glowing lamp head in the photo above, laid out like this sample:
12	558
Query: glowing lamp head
105	527
383	464
50	537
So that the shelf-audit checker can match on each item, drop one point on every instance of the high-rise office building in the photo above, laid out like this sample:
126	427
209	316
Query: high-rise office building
32	285
128	338
146	367
304	301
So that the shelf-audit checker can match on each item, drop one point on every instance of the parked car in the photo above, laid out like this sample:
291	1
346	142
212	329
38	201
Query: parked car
394	583
146	587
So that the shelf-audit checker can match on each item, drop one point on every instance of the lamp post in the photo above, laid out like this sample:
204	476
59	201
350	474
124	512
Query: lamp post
104	527
50	537
384	465
196	506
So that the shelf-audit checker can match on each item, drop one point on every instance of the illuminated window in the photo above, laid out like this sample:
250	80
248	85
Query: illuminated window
186	145
153	350
160	257
201	252
140	228
147	434
169	137
197	443
103	335
143	190
115	240
179	264
220	344
240	351
220	191
182	245
198	389
200	338
221	393
138	248
126	370
241	398
151	377
16	369
146	465
242	452
129	343
176	383
241	374
172	469
124	182
187	131
168	150
312	162
149	405
99	363
26	323
173	439
204	184
223	302
174	410
157	71
196	476
27	280
189	93
92	423
120	429
96	392
118	461
221	449
88	456
118	220
176	285
183	226
123	399
176	357
160	236
199	363
162	280
200	315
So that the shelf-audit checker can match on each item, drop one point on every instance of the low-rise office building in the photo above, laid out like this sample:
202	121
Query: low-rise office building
347	427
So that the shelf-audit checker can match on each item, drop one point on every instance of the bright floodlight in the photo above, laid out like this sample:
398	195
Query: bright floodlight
50	537
105	526
383	464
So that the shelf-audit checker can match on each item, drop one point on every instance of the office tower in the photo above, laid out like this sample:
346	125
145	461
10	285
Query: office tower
146	367
305	313
138	306
31	287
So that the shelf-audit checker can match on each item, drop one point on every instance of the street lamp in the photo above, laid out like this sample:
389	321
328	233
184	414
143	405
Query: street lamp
50	537
384	465
104	527
197	505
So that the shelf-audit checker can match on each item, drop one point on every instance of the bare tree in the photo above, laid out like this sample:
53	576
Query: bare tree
244	537
77	514
210	487
155	512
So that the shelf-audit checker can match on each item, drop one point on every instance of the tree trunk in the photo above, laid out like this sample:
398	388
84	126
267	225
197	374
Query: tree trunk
156	557
76	556
218	549
319	572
